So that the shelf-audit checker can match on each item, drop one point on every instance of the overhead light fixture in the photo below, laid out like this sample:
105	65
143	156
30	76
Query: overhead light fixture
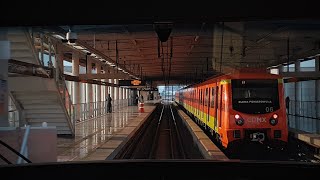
85	51
134	42
196	38
71	43
58	36
79	47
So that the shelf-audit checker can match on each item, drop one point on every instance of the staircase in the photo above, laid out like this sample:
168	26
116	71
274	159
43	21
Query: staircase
21	46
39	98
43	106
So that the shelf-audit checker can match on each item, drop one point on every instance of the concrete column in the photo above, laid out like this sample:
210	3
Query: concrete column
89	87
297	92
83	92
59	61
75	72
116	89
317	94
112	89
4	57
103	91
127	96
98	66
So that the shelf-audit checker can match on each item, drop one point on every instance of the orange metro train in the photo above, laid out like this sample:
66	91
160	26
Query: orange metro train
239	107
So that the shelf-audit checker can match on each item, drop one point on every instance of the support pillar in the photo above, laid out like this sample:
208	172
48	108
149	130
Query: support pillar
112	92
89	88
117	92
4	57
75	72
98	90
59	62
317	94
297	92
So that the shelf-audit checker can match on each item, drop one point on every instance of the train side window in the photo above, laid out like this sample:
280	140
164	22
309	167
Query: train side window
212	97
206	98
201	96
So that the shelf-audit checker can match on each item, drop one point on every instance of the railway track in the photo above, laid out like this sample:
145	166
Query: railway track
161	137
167	143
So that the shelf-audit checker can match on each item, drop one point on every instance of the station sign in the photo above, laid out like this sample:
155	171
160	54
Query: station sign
130	83
149	89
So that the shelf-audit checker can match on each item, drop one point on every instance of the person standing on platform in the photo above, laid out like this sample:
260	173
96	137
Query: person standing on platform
136	100
109	99
141	99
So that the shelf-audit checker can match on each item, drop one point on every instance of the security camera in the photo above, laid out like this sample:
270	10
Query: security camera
71	36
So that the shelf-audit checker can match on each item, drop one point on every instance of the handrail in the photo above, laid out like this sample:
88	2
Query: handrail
13	150
30	40
24	148
82	111
63	92
18	106
304	109
5	159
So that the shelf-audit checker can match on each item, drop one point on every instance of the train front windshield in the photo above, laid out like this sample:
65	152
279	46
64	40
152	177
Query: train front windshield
255	96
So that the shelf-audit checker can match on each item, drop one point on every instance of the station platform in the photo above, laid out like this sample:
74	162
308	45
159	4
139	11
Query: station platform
208	149
97	138
309	138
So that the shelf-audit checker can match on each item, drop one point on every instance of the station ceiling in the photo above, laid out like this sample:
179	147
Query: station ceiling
199	50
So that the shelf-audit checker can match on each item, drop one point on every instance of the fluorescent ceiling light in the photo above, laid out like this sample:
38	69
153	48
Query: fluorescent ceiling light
58	36
85	51
79	47
196	38
73	43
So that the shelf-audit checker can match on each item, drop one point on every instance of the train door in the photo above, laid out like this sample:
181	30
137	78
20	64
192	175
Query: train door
199	103
193	100
218	107
212	111
203	107
220	118
208	105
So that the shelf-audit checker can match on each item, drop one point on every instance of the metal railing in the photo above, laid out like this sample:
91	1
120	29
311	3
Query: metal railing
24	145
45	41
84	111
307	109
13	116
304	115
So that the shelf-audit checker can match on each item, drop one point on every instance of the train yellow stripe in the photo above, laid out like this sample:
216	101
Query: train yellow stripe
225	81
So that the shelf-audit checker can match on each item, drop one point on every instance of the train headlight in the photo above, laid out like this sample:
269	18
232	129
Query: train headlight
239	120
275	116
273	122
274	119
